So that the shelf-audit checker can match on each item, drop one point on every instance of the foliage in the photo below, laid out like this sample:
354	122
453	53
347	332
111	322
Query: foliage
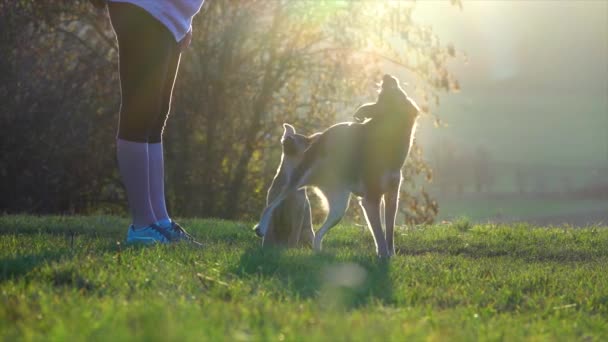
58	112
252	66
66	278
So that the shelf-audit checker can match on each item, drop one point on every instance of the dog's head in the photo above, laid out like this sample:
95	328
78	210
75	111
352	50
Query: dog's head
393	99
389	82
294	145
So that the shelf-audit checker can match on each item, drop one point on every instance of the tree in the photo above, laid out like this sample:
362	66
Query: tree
252	66
263	63
59	99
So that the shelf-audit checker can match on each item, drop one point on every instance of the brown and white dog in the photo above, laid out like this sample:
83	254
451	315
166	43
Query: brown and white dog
360	158
291	224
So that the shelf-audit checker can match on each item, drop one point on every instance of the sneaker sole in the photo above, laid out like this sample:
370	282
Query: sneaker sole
143	241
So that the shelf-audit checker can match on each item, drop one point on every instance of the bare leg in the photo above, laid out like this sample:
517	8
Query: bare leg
371	208
338	203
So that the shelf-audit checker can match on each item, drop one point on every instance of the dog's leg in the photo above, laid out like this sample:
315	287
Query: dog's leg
262	228
288	189
296	222
383	212
307	235
391	201
371	208
338	203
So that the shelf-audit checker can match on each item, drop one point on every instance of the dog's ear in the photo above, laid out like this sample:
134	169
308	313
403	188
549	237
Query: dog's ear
365	111
288	130
289	146
288	141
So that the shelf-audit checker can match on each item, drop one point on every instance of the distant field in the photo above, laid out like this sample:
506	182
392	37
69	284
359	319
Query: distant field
67	278
510	209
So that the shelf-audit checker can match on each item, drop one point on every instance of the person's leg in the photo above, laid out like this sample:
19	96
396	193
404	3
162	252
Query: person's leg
133	167
144	54
156	160
156	174
155	146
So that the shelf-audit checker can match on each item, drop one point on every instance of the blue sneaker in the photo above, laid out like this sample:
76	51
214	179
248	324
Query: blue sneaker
176	233
147	235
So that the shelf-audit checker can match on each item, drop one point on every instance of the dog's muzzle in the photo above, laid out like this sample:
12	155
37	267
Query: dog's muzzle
258	231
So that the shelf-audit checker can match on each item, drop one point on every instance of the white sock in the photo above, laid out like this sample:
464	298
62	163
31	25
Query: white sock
133	166
157	183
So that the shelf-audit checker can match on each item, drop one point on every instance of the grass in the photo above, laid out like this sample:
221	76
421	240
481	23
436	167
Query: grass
68	278
482	209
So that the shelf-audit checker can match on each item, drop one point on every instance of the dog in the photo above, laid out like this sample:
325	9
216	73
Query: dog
291	223
364	159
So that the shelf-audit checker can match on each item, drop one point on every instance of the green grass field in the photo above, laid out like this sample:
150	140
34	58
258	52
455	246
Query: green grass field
68	278
514	209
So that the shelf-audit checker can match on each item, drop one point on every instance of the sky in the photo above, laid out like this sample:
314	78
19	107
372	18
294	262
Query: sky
535	80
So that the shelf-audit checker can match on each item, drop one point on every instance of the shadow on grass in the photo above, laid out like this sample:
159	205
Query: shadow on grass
545	252
345	282
21	265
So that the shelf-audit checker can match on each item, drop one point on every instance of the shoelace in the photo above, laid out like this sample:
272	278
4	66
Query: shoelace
177	228
161	231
